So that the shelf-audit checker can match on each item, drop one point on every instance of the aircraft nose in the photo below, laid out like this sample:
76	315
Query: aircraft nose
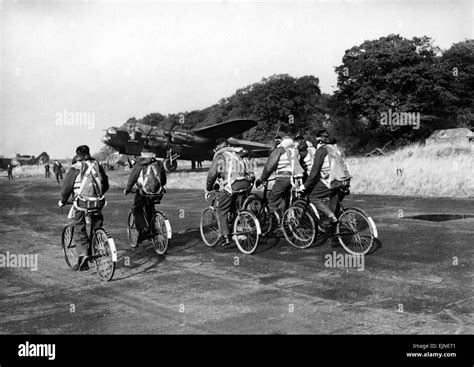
105	138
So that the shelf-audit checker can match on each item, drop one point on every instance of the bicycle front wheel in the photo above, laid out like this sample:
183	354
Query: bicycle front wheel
356	233
102	255
298	227
132	232
159	234
209	226
246	232
260	209
69	247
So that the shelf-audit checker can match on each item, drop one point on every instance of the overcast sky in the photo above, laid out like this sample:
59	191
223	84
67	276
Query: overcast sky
114	60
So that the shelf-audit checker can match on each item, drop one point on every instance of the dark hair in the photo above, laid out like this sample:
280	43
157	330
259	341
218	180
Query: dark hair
299	137
82	150
322	133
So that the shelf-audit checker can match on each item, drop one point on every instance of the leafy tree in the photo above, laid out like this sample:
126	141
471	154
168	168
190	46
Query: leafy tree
392	73
457	64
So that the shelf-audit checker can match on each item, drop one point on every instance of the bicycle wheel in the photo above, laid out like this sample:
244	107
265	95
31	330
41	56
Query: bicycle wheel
260	209
69	247
298	227
209	226
159	233
132	232
102	255
246	232
355	231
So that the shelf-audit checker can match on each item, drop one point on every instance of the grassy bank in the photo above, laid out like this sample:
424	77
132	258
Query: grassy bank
423	170
416	170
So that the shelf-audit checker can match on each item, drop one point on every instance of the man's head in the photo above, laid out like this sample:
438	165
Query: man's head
82	150
146	152
301	142
146	149
221	143
244	153
322	136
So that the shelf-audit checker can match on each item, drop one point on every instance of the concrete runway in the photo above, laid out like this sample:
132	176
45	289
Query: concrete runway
420	279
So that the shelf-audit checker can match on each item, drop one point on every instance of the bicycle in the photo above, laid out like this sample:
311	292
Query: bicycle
356	231
160	229
259	205
246	227
101	244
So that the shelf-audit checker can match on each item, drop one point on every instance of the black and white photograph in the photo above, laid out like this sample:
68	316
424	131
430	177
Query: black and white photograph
221	167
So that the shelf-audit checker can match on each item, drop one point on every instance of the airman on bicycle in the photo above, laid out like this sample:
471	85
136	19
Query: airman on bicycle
149	175
87	181
233	171
284	161
329	178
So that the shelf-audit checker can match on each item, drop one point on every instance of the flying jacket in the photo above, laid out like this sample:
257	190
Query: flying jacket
68	186
277	159
216	171
141	163
315	174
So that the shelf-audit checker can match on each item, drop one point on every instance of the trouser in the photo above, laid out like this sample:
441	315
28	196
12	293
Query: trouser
57	177
140	202
78	220
277	196
225	204
10	176
320	192
47	174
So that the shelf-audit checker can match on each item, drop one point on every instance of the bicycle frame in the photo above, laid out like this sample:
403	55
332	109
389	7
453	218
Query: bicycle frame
89	218
236	206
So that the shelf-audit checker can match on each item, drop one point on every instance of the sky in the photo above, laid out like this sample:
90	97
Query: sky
71	69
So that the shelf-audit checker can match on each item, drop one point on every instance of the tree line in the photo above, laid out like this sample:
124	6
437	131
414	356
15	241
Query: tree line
384	77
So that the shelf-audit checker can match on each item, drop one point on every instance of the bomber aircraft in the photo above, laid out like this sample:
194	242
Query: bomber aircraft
172	144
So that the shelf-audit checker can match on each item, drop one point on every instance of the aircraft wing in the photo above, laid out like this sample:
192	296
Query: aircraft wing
257	150
225	129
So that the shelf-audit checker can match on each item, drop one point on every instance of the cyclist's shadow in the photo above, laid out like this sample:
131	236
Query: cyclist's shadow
144	259
141	260
332	241
267	243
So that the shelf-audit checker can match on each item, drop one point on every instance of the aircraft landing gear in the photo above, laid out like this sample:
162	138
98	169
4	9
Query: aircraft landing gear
171	163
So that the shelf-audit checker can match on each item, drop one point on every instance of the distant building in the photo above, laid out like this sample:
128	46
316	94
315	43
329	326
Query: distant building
458	136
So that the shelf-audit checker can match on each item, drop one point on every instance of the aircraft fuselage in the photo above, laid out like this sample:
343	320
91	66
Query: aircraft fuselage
186	144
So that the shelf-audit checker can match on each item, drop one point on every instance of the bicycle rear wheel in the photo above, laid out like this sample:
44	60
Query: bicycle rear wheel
132	232
356	233
159	233
69	247
102	255
209	226
298	227
246	232
260	209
